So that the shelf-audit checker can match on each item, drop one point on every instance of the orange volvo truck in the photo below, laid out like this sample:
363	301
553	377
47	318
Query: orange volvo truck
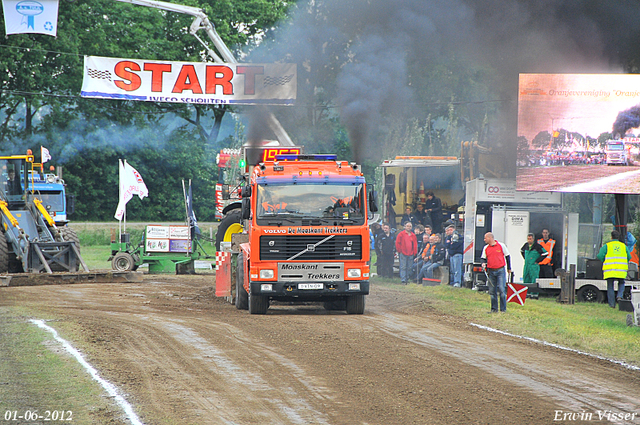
306	221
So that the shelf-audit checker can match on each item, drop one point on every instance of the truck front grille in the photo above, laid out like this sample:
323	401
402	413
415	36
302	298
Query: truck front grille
338	247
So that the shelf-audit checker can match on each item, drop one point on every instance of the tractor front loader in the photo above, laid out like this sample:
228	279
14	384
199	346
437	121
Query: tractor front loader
30	242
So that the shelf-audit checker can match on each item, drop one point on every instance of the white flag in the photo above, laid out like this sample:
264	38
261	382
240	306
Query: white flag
44	155
131	183
30	16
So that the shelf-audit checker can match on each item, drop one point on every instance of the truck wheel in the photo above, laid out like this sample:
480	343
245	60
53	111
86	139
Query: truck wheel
337	305
122	262
590	294
242	298
258	304
230	224
69	235
355	304
4	254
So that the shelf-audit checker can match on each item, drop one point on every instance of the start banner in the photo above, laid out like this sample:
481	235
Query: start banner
189	82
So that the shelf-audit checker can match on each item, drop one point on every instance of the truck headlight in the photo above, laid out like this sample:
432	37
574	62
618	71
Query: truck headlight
354	286
354	273
266	274
266	287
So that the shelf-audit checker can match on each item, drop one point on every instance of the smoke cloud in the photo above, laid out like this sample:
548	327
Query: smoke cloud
626	120
377	57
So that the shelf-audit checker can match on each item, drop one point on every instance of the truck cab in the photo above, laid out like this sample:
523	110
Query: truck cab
306	218
617	153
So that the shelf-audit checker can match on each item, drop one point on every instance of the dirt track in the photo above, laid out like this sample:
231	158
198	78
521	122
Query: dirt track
184	357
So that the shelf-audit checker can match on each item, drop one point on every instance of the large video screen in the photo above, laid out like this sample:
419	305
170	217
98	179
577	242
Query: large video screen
579	133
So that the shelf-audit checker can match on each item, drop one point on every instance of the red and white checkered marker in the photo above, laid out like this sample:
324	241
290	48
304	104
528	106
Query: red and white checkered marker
220	257
516	293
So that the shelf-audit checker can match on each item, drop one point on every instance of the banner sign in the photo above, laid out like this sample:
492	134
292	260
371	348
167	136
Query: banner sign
189	82
30	16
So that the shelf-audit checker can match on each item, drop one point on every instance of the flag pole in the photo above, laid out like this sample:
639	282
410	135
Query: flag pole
119	197
186	209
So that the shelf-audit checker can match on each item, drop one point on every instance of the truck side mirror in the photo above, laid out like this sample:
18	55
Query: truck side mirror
225	192
373	207
246	208
246	192
71	204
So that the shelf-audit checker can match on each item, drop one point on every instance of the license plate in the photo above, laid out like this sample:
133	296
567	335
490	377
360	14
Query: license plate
310	286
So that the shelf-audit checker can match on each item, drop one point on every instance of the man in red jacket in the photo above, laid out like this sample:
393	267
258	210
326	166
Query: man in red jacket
407	247
495	258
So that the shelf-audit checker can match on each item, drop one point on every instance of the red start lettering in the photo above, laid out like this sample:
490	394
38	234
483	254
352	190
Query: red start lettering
124	69
250	73
187	79
157	69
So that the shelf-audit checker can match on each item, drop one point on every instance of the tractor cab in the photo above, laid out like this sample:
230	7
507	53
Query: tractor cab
13	180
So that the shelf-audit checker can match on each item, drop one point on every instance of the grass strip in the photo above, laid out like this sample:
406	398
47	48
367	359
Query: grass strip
591	327
37	375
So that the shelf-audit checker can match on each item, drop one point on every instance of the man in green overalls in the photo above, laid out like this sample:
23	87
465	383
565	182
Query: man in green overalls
615	264
533	253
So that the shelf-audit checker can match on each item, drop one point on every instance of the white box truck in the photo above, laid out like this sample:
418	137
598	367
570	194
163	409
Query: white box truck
494	205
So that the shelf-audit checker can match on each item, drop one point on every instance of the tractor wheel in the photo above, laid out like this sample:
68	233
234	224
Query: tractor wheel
69	235
4	254
123	262
355	304
230	224
242	298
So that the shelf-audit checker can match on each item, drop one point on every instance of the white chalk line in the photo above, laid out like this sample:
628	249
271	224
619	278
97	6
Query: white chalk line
108	386
538	341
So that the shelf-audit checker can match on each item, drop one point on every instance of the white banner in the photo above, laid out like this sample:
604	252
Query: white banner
189	82
30	16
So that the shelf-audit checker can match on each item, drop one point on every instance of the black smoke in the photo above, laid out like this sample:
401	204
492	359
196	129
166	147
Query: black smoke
376	56
626	120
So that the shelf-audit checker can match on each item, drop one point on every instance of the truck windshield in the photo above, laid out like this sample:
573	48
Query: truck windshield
615	147
331	201
53	201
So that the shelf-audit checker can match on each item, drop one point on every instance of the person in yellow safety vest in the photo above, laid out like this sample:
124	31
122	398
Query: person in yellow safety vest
546	265
615	264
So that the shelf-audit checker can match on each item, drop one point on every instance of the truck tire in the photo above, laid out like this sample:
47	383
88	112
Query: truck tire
258	304
230	224
355	304
4	254
69	235
590	294
123	262
338	305
242	298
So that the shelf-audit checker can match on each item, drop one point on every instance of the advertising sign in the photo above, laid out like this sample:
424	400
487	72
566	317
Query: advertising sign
189	82
157	245
30	17
579	133
179	232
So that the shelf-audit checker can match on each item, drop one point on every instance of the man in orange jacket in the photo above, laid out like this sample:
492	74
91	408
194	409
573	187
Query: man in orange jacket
546	265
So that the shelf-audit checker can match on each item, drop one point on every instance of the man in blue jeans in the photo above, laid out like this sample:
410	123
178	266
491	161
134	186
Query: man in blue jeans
454	244
495	257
